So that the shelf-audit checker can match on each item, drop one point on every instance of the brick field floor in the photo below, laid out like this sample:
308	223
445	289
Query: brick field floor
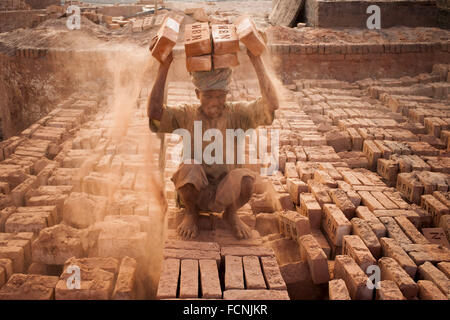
363	181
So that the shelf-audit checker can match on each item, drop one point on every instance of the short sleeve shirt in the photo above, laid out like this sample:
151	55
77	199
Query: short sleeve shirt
237	115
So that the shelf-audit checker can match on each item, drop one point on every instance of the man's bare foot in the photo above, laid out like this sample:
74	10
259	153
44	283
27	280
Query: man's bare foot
240	229
188	227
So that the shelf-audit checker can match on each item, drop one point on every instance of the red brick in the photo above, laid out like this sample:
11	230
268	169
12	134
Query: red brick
412	215
199	63
429	291
409	186
323	177
209	280
435	207
388	290
391	270
168	281
384	200
189	279
421	253
272	274
397	199
255	295
369	201
221	61
166	39
197	39
349	177
410	230
378	228
125	288
254	278
29	287
354	247
372	152
311	252
293	224
225	39
97	279
343	202
320	192
436	236
234	273
335	224
428	271
290	170
249	36
310	208
242	251
394	231
337	290
392	249
445	268
295	186
323	242
345	268
362	229
194	254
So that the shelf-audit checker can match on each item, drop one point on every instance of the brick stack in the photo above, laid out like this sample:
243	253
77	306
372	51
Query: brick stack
330	219
226	46
56	187
194	270
198	48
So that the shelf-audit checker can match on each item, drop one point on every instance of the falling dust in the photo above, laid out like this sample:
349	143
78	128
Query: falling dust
130	69
120	74
246	73
130	72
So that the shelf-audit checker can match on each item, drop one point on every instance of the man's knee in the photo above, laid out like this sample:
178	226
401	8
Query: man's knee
247	184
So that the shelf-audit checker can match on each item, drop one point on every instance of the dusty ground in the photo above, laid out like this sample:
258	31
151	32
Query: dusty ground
54	32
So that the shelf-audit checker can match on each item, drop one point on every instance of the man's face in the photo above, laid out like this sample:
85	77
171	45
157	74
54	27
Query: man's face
212	102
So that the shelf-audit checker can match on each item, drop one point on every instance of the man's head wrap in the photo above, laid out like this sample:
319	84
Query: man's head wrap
217	79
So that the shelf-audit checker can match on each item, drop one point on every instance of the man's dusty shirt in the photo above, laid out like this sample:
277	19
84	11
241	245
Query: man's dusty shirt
236	115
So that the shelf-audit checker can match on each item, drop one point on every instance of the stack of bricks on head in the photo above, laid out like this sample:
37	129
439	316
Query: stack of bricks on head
208	46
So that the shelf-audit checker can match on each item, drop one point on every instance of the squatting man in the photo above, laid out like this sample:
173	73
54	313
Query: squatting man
216	187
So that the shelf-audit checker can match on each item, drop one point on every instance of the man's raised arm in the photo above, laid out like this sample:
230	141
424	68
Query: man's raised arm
156	99
265	83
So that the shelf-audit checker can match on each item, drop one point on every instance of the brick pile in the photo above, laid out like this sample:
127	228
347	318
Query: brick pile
339	147
360	184
71	196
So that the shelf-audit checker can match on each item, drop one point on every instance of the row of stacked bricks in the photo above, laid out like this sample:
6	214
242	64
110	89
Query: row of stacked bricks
207	46
342	217
75	198
346	218
207	270
148	22
13	5
210	49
